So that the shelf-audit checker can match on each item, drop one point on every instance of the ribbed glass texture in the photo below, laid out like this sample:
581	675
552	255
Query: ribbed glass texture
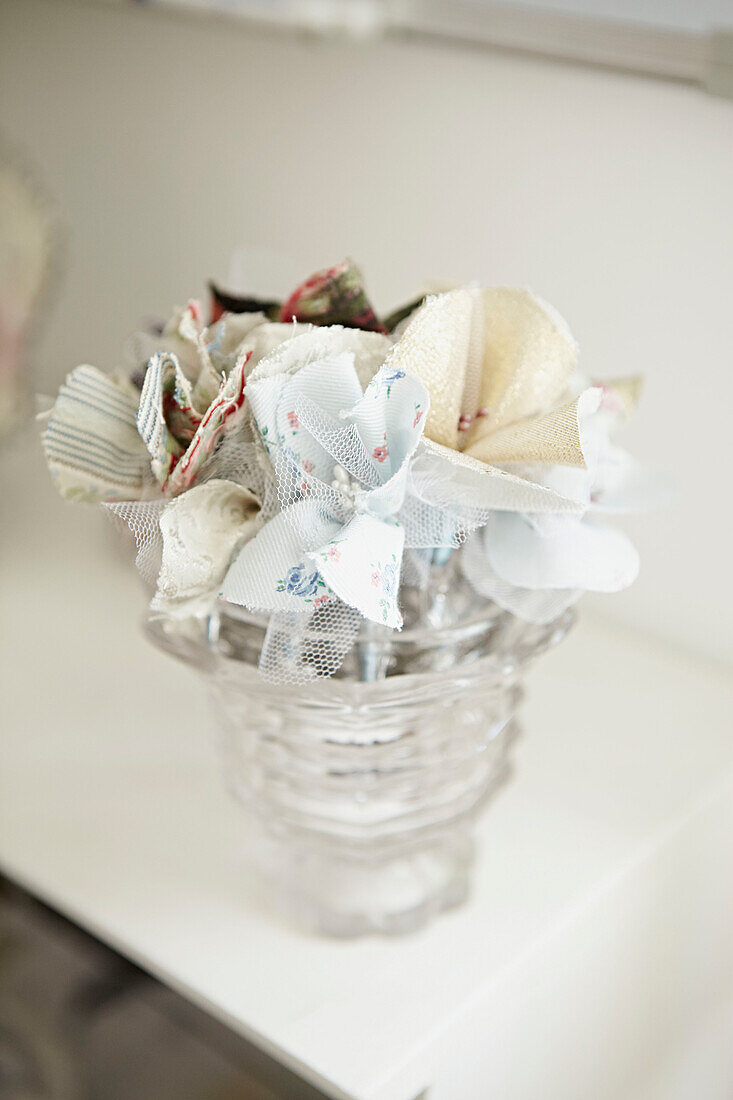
361	789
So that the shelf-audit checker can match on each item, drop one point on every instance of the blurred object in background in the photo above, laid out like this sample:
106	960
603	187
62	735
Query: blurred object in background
673	39
28	248
78	1022
267	271
339	18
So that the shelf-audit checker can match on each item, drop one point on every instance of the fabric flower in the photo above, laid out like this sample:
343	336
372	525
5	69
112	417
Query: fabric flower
296	458
204	352
500	366
496	364
201	529
91	441
536	566
350	502
196	347
366	491
178	436
308	344
335	296
105	440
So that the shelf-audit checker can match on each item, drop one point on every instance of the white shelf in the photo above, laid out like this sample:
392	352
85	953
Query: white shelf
605	868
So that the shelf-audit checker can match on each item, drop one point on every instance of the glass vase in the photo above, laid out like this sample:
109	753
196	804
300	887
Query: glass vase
361	789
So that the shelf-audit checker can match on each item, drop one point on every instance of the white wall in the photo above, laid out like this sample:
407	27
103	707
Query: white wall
168	141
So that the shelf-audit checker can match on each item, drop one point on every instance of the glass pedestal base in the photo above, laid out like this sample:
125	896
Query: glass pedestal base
335	894
346	888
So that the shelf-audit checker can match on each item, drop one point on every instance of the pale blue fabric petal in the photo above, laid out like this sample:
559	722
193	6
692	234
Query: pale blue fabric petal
362	565
390	418
270	572
332	384
386	500
579	553
534	605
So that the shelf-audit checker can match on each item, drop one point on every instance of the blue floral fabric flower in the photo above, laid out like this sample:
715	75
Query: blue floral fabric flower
345	470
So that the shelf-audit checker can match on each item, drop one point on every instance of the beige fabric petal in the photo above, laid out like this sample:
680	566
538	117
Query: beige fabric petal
553	438
529	355
435	348
208	382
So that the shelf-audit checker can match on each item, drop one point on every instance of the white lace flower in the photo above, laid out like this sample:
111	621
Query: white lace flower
201	531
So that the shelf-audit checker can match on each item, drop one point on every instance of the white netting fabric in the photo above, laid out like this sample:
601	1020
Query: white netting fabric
298	648
301	648
416	567
237	459
338	439
326	502
143	520
430	526
244	462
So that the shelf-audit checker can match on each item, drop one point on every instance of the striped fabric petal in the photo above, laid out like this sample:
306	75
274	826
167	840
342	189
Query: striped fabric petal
166	419
91	442
224	415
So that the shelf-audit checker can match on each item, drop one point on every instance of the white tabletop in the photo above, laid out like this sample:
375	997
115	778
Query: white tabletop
112	810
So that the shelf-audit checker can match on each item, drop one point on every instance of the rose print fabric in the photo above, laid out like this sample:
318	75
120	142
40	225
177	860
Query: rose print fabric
342	458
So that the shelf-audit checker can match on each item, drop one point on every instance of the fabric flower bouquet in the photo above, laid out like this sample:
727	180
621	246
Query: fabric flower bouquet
303	479
306	459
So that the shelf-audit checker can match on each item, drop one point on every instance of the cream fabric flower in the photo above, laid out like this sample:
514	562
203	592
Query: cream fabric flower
496	364
201	531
